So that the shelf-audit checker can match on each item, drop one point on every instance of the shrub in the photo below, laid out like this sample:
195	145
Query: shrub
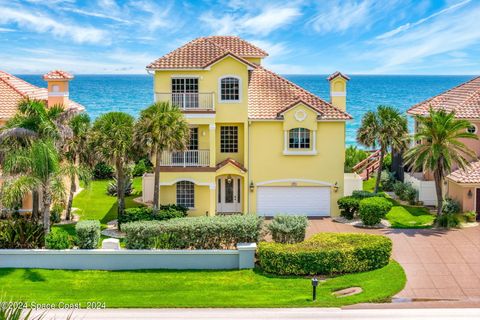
399	189
326	253
447	220
288	229
58	239
21	234
56	213
387	180
102	171
177	207
88	234
470	216
405	192
112	187
348	206
141	167
219	232
146	214
360	194
372	210
451	206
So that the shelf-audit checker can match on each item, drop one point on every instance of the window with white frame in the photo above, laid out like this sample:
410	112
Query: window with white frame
299	138
230	89
228	139
186	194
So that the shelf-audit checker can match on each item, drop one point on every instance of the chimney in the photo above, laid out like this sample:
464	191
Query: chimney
338	90
57	87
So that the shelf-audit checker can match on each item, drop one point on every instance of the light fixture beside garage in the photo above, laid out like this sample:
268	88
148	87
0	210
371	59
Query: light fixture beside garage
335	187
252	186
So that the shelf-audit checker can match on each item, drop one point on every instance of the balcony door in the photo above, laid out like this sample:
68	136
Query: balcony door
185	92
189	157
229	194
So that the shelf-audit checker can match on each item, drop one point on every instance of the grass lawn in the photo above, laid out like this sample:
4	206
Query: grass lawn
165	288
369	185
409	217
94	203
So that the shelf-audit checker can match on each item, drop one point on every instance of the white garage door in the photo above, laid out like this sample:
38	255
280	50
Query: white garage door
310	201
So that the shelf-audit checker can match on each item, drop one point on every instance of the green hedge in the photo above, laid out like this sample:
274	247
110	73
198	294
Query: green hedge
21	234
58	239
326	254
219	232
373	210
88	234
348	206
288	229
146	214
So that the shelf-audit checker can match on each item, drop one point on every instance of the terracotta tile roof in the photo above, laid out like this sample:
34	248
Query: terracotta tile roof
337	74
469	175
13	90
202	52
232	161
57	75
463	99
269	94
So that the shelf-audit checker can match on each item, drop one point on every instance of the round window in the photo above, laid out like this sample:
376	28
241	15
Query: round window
472	129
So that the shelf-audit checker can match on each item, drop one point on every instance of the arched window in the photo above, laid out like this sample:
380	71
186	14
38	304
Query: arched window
299	138
229	89
186	194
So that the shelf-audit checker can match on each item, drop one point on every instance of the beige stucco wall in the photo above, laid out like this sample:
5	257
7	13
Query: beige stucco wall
460	193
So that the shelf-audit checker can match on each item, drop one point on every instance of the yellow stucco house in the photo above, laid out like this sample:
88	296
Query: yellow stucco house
258	143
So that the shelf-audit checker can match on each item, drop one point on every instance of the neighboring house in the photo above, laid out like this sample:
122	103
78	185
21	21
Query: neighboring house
461	185
13	90
258	143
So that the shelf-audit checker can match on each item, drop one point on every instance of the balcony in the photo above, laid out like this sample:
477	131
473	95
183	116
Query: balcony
188	101
190	158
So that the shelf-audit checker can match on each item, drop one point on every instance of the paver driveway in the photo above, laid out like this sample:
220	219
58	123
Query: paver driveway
439	264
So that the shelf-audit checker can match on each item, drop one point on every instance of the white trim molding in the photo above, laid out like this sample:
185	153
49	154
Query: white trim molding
199	115
291	180
299	153
240	88
58	93
338	93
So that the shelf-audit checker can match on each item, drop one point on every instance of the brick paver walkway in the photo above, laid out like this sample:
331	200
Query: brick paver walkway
439	264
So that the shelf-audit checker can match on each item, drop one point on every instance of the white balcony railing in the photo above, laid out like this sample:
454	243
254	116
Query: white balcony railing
188	101
190	158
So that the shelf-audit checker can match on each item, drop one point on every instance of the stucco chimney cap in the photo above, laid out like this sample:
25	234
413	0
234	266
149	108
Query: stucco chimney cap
57	75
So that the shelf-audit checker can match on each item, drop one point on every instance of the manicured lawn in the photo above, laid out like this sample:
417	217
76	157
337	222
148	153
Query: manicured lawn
93	203
403	216
369	185
162	288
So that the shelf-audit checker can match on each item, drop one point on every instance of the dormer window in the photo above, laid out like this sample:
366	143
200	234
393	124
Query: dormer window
230	90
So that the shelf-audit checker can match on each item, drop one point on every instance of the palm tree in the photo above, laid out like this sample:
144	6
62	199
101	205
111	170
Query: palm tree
440	147
77	156
34	167
161	127
385	128
32	122
111	139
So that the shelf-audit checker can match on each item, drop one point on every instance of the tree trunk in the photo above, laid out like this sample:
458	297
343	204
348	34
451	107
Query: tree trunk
120	189
438	188
73	187
47	201
379	171
35	205
156	186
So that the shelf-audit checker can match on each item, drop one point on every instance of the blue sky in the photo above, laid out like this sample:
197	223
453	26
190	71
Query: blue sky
306	37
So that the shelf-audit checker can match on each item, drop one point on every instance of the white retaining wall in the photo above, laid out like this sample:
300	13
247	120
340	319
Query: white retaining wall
426	189
352	182
101	259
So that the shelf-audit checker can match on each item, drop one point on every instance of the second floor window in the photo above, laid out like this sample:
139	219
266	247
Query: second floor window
228	139
229	89
299	138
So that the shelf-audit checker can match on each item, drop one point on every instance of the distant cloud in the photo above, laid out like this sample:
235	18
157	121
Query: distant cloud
7	30
40	23
95	14
269	19
409	25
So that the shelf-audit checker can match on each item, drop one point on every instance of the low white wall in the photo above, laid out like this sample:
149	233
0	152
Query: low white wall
426	189
351	182
147	187
100	259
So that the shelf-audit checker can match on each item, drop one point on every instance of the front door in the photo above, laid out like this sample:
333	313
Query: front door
229	194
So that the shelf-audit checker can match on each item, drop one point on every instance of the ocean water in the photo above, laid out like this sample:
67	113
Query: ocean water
131	93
